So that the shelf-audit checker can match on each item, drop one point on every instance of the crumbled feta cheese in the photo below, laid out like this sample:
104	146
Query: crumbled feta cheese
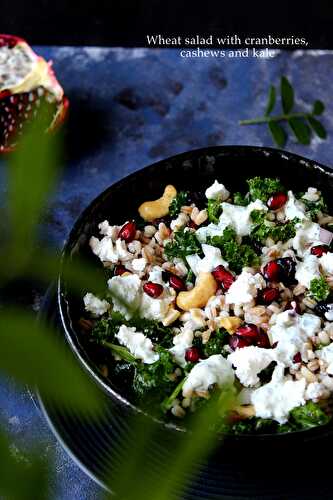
217	191
249	362
139	264
315	391
245	288
104	249
155	275
155	309
213	370
326	262
307	270
291	332
312	194
181	342
307	235
211	230
294	208
277	398
194	319
179	222
123	253
137	343
326	354
329	313
239	217
126	294
106	230
94	305
211	260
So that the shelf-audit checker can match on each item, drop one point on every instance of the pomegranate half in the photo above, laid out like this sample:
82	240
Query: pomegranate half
27	83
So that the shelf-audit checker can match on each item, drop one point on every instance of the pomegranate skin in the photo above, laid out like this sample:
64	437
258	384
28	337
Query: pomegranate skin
176	283
277	200
127	232
154	290
223	277
192	355
319	250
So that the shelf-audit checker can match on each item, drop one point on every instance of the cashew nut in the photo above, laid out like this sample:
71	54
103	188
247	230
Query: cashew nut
204	289
150	210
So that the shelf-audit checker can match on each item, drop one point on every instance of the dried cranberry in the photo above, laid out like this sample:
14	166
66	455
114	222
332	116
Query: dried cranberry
294	306
192	355
238	342
272	271
248	331
297	358
223	277
119	270
176	283
154	290
263	341
269	295
277	200
288	267
127	232
319	250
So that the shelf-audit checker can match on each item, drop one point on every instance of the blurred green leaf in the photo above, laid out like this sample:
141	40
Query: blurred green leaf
301	130
278	134
271	100
287	95
30	352
318	107
317	127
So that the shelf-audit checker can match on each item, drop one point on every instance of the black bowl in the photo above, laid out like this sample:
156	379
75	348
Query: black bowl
192	171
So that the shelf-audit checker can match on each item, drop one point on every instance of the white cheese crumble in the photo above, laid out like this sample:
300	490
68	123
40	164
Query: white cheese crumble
104	249
179	222
294	208
181	342
94	305
155	309
106	230
249	362
155	275
315	391
277	398
126	294
245	288
211	230
137	343
139	264
326	354
307	235
213	370
211	260
291	331
217	191
312	194
239	217
307	270
326	262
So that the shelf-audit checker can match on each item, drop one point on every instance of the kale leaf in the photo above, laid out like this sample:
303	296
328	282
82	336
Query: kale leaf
314	208
240	199
319	289
263	188
184	243
177	203
236	254
216	342
214	210
309	415
106	328
264	229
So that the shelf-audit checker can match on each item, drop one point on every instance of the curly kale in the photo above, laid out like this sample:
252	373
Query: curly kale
263	188
236	254
178	202
216	343
263	229
106	328
184	243
214	210
153	377
309	415
313	208
319	289
240	199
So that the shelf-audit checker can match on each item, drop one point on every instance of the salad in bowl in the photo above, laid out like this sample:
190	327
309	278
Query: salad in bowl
219	289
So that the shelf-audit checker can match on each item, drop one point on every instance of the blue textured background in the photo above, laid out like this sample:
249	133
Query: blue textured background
130	108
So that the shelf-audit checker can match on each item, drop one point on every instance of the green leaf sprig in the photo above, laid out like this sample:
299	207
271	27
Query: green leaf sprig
302	124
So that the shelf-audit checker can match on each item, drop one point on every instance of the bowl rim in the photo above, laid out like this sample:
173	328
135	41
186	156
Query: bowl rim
62	303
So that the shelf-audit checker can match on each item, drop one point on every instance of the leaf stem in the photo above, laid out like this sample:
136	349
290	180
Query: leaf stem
120	351
167	403
278	118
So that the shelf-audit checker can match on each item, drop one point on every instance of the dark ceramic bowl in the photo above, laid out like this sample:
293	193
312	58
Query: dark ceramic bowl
192	171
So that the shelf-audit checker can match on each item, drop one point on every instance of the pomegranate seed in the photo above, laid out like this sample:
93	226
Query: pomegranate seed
127	232
277	200
154	290
269	295
249	331
297	358
119	270
263	341
176	283
192	354
319	250
223	277
272	271
294	306
238	342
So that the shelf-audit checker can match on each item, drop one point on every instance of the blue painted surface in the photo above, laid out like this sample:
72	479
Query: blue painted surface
130	108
